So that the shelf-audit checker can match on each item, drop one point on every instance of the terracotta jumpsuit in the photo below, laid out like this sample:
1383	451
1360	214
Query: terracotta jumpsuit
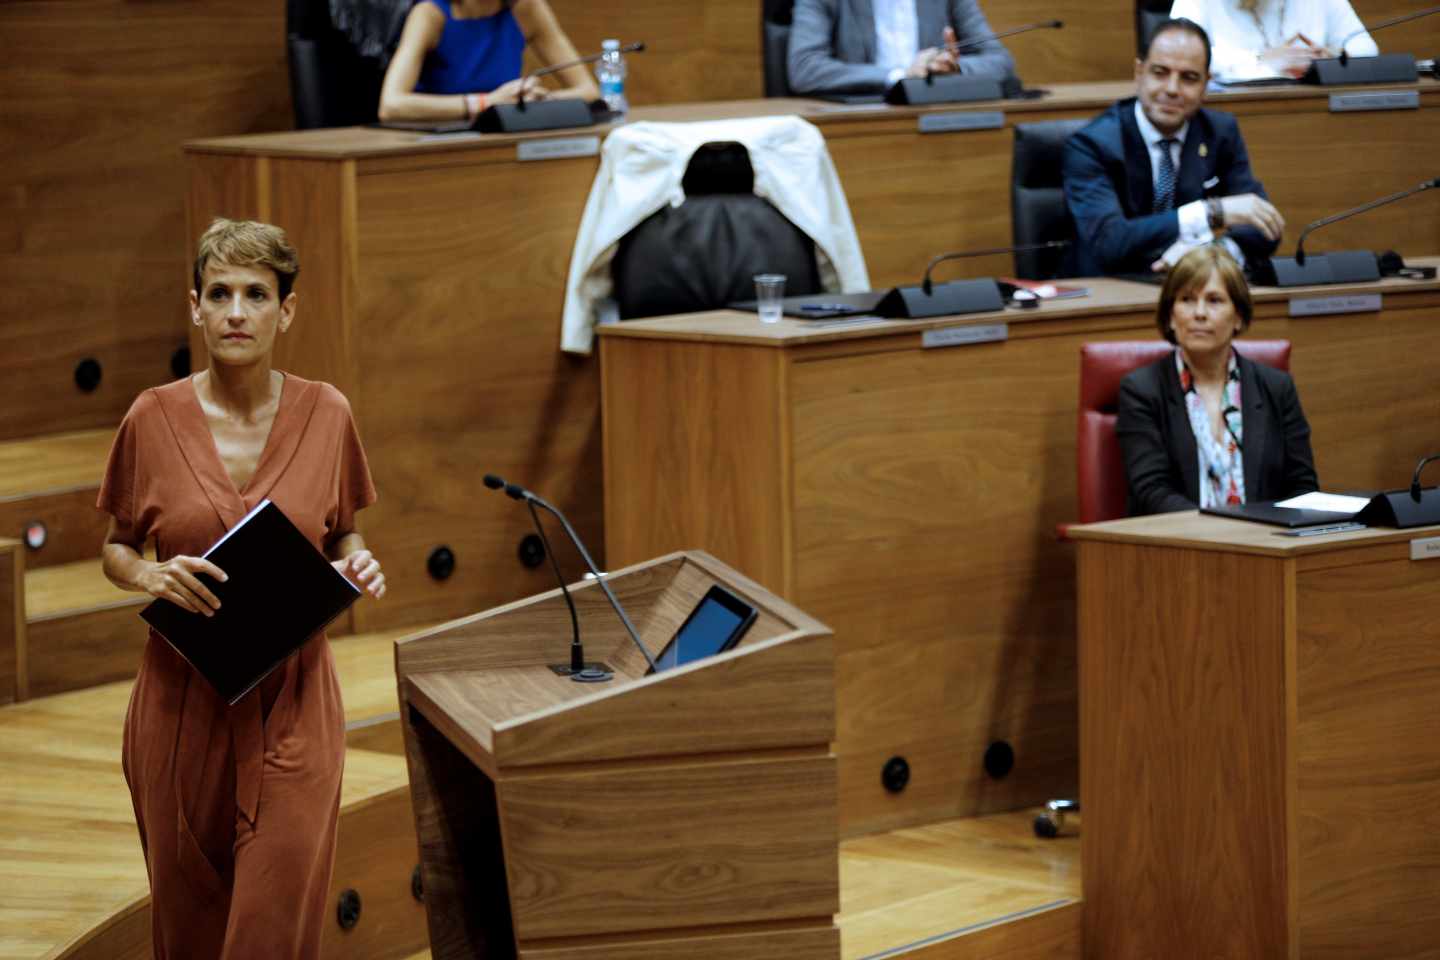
237	806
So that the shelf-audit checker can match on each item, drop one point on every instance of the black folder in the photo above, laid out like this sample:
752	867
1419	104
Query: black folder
1266	511
281	591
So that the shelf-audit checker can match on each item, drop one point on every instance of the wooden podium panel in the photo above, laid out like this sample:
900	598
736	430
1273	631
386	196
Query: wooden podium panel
909	496
692	811
1256	748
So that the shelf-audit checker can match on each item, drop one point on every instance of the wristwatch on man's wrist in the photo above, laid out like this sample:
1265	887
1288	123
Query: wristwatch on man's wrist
1215	212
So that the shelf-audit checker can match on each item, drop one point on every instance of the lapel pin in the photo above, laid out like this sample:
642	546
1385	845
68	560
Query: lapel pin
1204	150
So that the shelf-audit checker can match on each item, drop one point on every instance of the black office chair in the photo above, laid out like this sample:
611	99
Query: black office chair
775	45
337	53
1037	197
1149	14
705	253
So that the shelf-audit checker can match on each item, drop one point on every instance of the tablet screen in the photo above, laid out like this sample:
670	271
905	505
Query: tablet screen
715	625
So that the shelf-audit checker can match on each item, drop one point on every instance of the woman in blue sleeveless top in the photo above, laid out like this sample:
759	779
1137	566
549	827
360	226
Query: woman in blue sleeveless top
456	57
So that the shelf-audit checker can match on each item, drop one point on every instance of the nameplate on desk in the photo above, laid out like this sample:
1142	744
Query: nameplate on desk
1427	548
1389	100
1344	303
562	148
960	336
962	120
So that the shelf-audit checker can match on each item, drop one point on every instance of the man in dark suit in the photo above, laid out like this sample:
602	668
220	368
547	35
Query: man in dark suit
1156	175
864	46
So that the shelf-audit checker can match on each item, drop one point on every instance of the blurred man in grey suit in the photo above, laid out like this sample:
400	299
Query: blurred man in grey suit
864	46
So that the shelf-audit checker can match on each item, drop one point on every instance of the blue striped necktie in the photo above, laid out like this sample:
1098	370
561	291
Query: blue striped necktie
1165	182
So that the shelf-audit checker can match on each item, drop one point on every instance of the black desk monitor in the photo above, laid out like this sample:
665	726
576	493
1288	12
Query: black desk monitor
716	624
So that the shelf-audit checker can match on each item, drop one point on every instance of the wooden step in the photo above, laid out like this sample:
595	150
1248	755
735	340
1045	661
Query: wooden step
967	889
80	629
71	855
54	480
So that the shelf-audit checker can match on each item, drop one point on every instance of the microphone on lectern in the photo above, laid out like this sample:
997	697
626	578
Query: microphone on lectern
516	492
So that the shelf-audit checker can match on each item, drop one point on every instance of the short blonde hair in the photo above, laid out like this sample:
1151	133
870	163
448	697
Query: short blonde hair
248	243
1194	270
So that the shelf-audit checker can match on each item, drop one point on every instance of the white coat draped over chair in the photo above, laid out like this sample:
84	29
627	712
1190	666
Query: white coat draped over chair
641	168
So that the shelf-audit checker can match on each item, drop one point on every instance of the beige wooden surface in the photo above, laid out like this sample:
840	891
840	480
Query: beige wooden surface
1184	753
71	871
489	759
924	487
1251	729
946	881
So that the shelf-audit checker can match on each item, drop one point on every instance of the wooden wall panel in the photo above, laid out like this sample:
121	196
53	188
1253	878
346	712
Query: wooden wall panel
462	376
99	96
1184	778
1367	669
13	685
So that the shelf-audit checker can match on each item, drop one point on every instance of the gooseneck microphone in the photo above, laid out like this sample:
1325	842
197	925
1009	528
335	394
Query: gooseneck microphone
1415	480
516	492
928	286
1346	214
637	47
577	670
1344	57
980	41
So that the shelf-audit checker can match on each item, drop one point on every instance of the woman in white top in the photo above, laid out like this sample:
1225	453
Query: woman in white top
1251	39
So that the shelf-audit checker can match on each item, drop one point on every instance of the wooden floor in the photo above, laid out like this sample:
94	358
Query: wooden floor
69	853
927	885
69	856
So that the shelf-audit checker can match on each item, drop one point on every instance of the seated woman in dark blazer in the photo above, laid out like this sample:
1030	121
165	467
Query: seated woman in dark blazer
1204	426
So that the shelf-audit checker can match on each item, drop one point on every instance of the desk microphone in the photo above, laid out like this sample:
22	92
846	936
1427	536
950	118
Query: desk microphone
981	41
928	287
1346	214
516	492
1344	57
637	47
1415	480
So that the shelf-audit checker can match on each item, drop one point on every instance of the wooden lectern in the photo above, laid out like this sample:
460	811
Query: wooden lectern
1259	764
691	813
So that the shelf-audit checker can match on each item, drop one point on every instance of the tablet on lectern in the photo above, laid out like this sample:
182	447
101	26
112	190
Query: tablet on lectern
716	624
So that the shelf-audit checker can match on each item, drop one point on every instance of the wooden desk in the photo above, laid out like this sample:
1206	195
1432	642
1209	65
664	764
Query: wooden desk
841	466
433	278
1259	763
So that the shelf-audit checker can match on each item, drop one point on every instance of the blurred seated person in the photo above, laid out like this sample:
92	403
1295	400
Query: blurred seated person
1156	174
457	57
865	46
1204	426
1257	39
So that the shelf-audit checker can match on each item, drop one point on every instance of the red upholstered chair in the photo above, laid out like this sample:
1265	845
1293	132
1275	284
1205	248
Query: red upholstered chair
1099	467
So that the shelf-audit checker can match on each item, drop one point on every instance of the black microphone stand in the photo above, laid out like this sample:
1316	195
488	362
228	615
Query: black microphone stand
1383	68
929	299
1341	266
557	114
958	87
516	492
577	669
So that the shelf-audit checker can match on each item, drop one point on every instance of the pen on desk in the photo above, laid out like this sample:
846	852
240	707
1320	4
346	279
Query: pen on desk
825	307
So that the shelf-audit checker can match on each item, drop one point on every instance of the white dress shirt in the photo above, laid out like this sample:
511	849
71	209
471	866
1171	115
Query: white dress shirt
897	36
1194	217
1237	40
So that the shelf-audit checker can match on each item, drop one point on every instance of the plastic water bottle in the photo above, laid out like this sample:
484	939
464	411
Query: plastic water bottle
610	71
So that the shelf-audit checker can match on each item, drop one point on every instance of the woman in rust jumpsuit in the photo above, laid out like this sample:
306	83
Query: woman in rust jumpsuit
237	806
